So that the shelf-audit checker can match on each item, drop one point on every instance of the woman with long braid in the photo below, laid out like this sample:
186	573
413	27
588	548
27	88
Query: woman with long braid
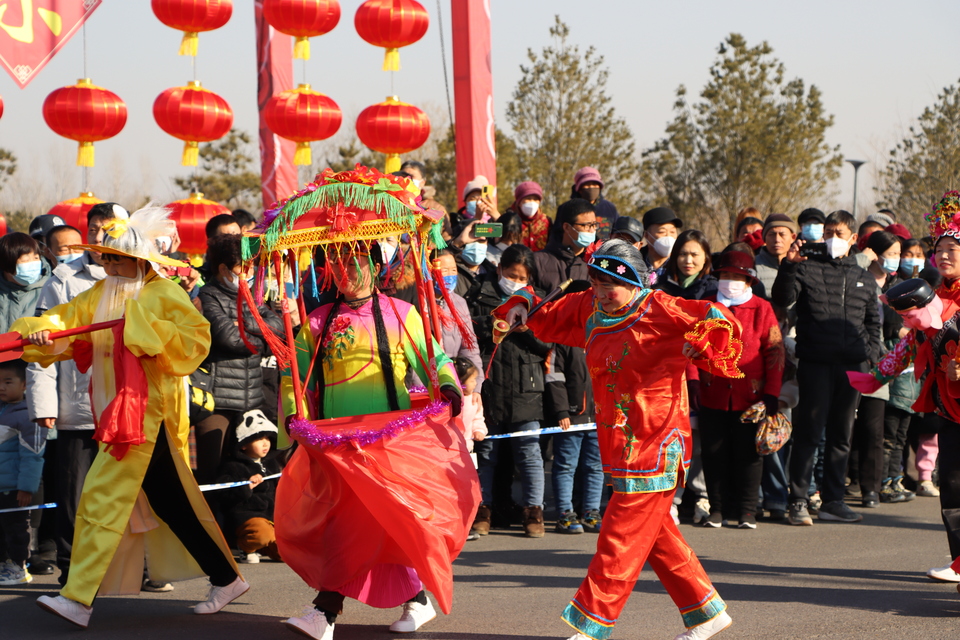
360	347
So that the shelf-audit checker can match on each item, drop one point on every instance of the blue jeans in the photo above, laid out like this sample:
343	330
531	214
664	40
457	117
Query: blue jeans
572	450
526	456
774	487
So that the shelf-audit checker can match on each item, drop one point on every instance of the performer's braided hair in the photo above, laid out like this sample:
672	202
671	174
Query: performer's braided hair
383	343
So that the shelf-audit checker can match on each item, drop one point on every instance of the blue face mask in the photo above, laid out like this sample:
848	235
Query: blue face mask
890	265
474	253
812	232
471	209
28	272
586	238
70	257
909	265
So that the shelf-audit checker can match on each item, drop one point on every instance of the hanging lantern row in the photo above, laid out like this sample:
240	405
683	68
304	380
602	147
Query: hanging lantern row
86	113
192	17
391	24
74	211
303	115
192	114
302	19
191	215
394	128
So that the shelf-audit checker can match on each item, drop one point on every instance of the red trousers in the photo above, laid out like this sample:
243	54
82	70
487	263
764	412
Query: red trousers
638	528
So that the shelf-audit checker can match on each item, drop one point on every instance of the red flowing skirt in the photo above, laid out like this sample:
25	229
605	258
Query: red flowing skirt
357	518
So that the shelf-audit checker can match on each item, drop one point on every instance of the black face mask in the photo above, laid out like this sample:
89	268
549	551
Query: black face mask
590	194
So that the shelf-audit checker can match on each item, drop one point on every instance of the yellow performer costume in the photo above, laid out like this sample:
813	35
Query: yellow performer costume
117	521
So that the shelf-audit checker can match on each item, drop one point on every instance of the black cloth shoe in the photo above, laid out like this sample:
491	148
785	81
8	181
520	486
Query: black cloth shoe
871	500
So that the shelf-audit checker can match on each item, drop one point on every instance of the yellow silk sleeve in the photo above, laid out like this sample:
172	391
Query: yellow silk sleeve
76	313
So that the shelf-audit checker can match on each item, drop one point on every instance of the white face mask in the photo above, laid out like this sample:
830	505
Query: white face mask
663	246
731	289
388	251
837	247
510	287
529	209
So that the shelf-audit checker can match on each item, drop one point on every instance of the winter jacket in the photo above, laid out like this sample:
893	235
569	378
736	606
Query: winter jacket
468	282
556	264
237	375
838	319
453	344
767	269
18	301
242	503
514	391
569	392
471	419
701	288
22	442
60	391
606	212
762	361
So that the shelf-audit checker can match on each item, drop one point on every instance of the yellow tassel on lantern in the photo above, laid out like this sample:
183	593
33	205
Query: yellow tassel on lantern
191	154
393	163
188	46
301	49
391	60
85	154
302	156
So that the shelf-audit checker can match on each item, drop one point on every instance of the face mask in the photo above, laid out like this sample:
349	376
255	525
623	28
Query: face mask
909	265
812	232
590	193
420	183
70	257
28	272
388	251
474	253
232	283
585	238
837	247
731	289
529	209
663	246
471	209
450	283
890	265
510	287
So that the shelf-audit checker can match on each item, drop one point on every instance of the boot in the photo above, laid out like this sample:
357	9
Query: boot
481	524
533	522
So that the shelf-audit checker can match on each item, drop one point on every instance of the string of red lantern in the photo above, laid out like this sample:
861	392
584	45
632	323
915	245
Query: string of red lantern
192	114
302	19
393	127
391	24
303	115
86	113
192	17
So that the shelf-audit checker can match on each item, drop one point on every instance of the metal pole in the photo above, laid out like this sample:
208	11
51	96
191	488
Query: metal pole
856	168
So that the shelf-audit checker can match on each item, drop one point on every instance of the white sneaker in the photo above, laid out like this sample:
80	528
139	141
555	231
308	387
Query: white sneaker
313	625
708	629
415	615
219	597
944	574
701	511
675	514
250	558
69	610
928	490
579	636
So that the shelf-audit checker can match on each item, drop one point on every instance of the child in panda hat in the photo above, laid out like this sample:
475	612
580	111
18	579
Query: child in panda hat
249	509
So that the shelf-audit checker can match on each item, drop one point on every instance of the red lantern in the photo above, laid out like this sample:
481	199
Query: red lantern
192	17
85	113
191	215
193	115
302	19
3	225
302	115
1	111
393	127
391	24
74	211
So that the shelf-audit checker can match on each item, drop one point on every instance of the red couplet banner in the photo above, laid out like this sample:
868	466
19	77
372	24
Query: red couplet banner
473	91
278	175
33	31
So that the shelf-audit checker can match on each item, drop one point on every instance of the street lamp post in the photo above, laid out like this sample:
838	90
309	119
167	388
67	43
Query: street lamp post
856	167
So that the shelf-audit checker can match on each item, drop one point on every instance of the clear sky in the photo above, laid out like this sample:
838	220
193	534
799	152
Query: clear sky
877	63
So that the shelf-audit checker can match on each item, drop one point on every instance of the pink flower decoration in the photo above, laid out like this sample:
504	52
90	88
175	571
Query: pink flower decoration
621	269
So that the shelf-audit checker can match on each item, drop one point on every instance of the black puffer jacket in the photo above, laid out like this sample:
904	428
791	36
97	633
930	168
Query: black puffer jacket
242	503
700	289
838	316
514	391
237	376
557	263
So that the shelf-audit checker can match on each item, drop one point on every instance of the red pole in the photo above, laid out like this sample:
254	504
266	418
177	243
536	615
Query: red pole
291	340
434	382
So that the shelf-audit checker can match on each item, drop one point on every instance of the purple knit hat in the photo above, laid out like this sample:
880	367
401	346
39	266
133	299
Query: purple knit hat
586	174
525	189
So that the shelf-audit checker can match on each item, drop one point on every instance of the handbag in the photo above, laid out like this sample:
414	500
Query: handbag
772	433
201	395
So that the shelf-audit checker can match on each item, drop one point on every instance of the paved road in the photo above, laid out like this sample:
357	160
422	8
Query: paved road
828	581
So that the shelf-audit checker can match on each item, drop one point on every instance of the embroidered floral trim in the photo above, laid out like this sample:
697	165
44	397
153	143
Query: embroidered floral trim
714	338
340	338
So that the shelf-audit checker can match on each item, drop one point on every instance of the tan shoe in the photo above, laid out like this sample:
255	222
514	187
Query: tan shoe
533	522
481	524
